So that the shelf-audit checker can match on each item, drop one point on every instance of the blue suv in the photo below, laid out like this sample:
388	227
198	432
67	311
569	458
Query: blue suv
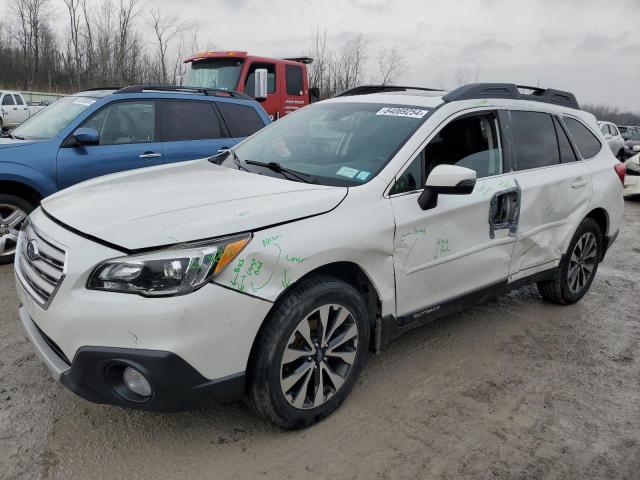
102	131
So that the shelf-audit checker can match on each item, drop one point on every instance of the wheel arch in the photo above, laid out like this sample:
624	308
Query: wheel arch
348	272
22	190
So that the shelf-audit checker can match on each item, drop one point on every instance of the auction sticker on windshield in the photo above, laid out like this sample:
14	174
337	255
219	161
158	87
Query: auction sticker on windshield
402	112
348	172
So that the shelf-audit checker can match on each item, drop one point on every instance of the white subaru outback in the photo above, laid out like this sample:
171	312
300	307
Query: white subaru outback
269	271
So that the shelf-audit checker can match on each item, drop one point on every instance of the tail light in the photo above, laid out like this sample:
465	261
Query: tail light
621	171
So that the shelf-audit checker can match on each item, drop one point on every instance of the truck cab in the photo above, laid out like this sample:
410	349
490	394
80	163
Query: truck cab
287	79
14	109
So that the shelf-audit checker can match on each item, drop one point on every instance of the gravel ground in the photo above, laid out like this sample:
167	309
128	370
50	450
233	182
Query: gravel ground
514	389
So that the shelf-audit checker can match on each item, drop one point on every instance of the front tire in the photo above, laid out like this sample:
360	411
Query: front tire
13	212
578	267
310	353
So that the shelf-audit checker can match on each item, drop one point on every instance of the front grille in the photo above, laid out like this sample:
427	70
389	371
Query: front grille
41	272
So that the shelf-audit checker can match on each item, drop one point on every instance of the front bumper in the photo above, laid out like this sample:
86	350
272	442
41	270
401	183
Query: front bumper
95	374
192	346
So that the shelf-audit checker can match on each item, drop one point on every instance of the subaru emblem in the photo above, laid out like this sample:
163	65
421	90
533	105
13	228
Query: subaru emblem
32	250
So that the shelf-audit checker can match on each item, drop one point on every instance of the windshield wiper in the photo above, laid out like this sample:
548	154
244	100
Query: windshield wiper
276	167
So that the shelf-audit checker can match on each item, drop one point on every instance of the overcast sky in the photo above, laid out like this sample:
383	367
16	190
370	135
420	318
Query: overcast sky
589	47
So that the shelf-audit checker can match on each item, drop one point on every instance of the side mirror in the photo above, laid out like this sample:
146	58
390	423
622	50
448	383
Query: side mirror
86	136
446	180
261	87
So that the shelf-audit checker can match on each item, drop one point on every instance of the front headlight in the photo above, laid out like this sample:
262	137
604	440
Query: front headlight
171	271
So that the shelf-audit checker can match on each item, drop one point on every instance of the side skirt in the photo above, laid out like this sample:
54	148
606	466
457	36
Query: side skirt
393	327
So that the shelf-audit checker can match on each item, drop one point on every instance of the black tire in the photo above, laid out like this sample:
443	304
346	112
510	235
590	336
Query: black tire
620	156
21	204
559	290
265	394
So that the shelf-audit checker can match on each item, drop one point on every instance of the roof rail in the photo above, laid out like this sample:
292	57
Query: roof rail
305	60
512	91
180	89
368	89
96	89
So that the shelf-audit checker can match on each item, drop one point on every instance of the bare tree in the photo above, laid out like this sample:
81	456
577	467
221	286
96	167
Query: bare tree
349	64
320	69
165	28
391	65
464	75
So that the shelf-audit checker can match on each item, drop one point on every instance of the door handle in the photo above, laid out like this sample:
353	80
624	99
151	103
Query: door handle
581	182
224	149
147	155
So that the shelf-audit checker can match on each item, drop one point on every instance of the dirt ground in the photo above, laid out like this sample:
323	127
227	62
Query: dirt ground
512	389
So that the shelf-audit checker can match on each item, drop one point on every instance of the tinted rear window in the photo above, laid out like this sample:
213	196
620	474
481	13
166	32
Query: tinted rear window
18	99
587	143
189	121
241	119
534	139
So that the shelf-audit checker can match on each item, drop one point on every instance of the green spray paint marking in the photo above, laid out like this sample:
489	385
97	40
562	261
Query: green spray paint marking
269	240
253	287
416	231
442	245
286	281
293	259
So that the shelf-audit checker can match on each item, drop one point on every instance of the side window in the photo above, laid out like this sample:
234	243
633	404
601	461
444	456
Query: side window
250	83
534	140
18	100
566	150
614	130
8	100
411	179
471	141
189	121
125	123
587	143
604	129
241	119
295	85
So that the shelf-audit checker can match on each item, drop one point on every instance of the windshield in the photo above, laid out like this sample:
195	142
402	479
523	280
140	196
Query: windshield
48	122
222	73
335	143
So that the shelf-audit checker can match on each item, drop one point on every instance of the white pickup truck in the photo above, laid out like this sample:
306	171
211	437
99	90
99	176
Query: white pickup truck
14	109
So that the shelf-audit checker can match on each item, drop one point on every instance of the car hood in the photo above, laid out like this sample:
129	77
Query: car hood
6	142
184	202
631	143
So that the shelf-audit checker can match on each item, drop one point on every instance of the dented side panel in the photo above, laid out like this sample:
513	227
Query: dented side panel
554	201
276	258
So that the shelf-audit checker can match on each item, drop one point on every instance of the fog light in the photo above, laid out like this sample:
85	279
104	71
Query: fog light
136	382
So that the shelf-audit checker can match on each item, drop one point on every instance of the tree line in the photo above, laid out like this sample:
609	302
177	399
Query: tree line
103	45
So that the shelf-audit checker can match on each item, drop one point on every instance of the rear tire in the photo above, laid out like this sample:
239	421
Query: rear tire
310	353
620	156
578	267
13	211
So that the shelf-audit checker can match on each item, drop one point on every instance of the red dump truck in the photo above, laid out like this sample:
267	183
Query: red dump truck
281	84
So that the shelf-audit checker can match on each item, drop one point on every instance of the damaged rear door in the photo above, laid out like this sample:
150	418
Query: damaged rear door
556	190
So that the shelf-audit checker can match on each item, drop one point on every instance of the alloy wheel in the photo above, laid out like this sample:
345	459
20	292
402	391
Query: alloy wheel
319	356
11	219
582	263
